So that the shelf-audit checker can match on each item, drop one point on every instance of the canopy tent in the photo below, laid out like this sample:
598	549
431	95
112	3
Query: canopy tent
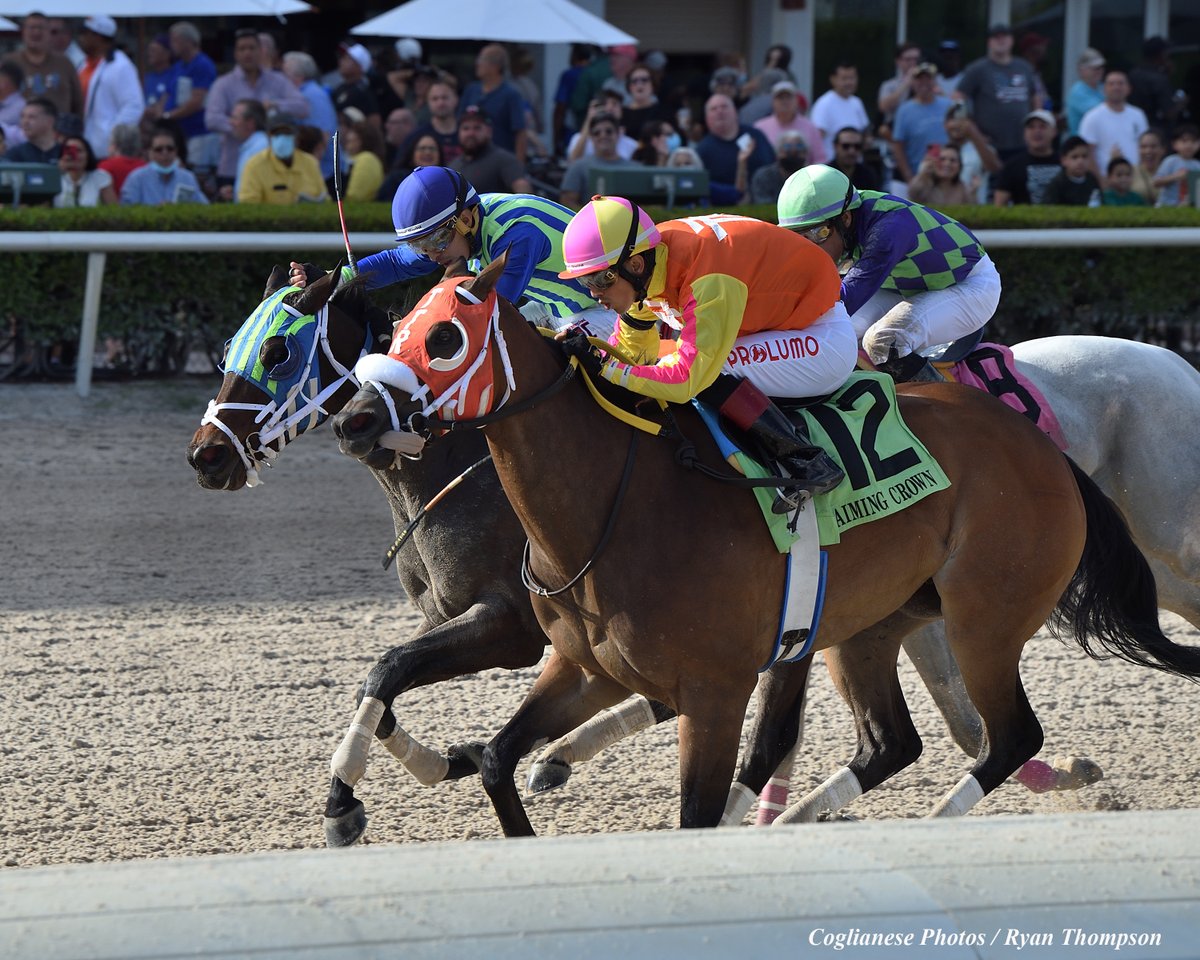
155	8
514	21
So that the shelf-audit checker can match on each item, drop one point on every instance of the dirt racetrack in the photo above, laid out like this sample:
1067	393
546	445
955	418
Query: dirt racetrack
180	664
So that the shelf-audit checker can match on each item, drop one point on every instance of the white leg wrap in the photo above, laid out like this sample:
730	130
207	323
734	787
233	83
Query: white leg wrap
349	762
602	731
428	766
741	799
962	798
839	790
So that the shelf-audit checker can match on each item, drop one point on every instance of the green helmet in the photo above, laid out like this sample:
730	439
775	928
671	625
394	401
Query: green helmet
815	194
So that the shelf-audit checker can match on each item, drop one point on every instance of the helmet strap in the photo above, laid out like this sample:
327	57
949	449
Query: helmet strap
639	284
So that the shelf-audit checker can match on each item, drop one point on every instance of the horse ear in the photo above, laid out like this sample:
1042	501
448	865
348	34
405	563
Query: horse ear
483	284
312	298
279	279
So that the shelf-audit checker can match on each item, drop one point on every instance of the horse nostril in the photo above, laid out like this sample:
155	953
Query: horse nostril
210	457
359	423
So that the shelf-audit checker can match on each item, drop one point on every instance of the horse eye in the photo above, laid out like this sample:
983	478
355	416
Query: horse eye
443	340
273	352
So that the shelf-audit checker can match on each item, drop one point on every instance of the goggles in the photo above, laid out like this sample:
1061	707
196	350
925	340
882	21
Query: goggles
434	242
818	234
601	280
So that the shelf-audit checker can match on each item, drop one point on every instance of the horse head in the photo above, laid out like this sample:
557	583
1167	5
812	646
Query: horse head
447	363
286	369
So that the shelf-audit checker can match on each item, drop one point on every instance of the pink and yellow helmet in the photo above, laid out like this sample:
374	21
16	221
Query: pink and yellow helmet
604	234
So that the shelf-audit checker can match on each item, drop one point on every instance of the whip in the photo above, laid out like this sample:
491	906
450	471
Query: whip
337	192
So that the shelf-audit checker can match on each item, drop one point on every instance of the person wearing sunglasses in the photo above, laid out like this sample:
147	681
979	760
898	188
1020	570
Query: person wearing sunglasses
756	312
849	145
919	279
164	179
440	219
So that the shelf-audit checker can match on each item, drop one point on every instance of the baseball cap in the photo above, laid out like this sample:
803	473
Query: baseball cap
624	50
926	67
475	112
948	45
101	24
1091	57
408	50
281	121
725	75
783	86
999	30
1044	115
358	53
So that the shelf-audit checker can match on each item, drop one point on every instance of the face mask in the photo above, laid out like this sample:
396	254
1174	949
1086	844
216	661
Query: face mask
165	168
791	162
283	145
674	142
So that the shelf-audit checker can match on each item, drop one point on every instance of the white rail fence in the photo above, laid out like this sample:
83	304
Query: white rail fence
98	245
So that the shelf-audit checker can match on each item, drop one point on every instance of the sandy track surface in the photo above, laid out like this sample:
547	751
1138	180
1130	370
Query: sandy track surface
180	664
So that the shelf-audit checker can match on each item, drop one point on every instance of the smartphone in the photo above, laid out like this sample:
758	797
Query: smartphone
744	141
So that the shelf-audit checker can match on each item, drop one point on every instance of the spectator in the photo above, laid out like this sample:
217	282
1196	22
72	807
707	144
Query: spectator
1074	185
531	95
604	132
399	80
949	67
1024	177
1151	90
41	144
1171	180
422	150
977	157
487	166
920	121
3	143
1000	90
791	153
730	159
124	154
160	85
1152	147
581	145
499	100
197	74
248	125
111	91
898	89
1088	90
1032	48
787	115
759	103
442	101
270	52
83	183
354	63
164	179
1114	126
657	141
727	81
301	69
642	104
838	107
62	42
603	73
1120	183
11	101
248	80
281	175
397	130
777	67
564	120
848	145
686	158
48	74
364	147
938	180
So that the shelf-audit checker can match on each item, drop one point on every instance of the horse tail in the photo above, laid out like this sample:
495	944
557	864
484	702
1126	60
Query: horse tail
1111	603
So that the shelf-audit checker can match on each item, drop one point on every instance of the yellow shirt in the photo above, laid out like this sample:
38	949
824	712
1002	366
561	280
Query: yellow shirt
366	176
267	179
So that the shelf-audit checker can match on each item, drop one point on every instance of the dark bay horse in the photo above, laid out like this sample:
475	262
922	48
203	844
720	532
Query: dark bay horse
681	605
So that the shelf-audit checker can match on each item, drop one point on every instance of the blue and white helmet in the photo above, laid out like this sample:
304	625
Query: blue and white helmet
428	198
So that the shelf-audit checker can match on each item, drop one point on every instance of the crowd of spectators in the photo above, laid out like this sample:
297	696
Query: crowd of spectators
939	131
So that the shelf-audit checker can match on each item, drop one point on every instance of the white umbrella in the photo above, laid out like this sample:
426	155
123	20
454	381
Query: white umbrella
513	21
6	25
155	8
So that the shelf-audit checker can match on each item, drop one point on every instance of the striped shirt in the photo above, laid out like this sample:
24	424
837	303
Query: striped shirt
529	228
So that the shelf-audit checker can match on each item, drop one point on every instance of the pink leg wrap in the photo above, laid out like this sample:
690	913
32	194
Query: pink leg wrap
772	801
1037	775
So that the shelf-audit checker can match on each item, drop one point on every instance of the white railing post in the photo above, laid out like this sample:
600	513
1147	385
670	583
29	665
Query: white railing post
91	316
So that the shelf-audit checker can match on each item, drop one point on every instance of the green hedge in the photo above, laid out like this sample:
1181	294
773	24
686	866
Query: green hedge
1144	293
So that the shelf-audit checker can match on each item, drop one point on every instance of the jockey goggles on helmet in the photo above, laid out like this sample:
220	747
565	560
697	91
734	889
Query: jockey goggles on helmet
415	195
821	232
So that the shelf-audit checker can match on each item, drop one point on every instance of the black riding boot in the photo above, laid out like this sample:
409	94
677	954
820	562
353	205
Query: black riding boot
752	411
911	369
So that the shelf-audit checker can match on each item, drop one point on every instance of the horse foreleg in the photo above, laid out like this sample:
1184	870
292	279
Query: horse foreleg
710	731
766	766
563	697
552	768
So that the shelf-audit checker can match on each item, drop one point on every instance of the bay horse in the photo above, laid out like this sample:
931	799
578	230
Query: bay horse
681	605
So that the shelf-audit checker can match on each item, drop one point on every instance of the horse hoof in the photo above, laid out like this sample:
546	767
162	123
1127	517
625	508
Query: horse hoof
546	775
1076	772
1037	776
346	830
466	759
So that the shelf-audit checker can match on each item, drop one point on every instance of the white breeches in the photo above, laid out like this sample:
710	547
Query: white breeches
798	363
916	322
